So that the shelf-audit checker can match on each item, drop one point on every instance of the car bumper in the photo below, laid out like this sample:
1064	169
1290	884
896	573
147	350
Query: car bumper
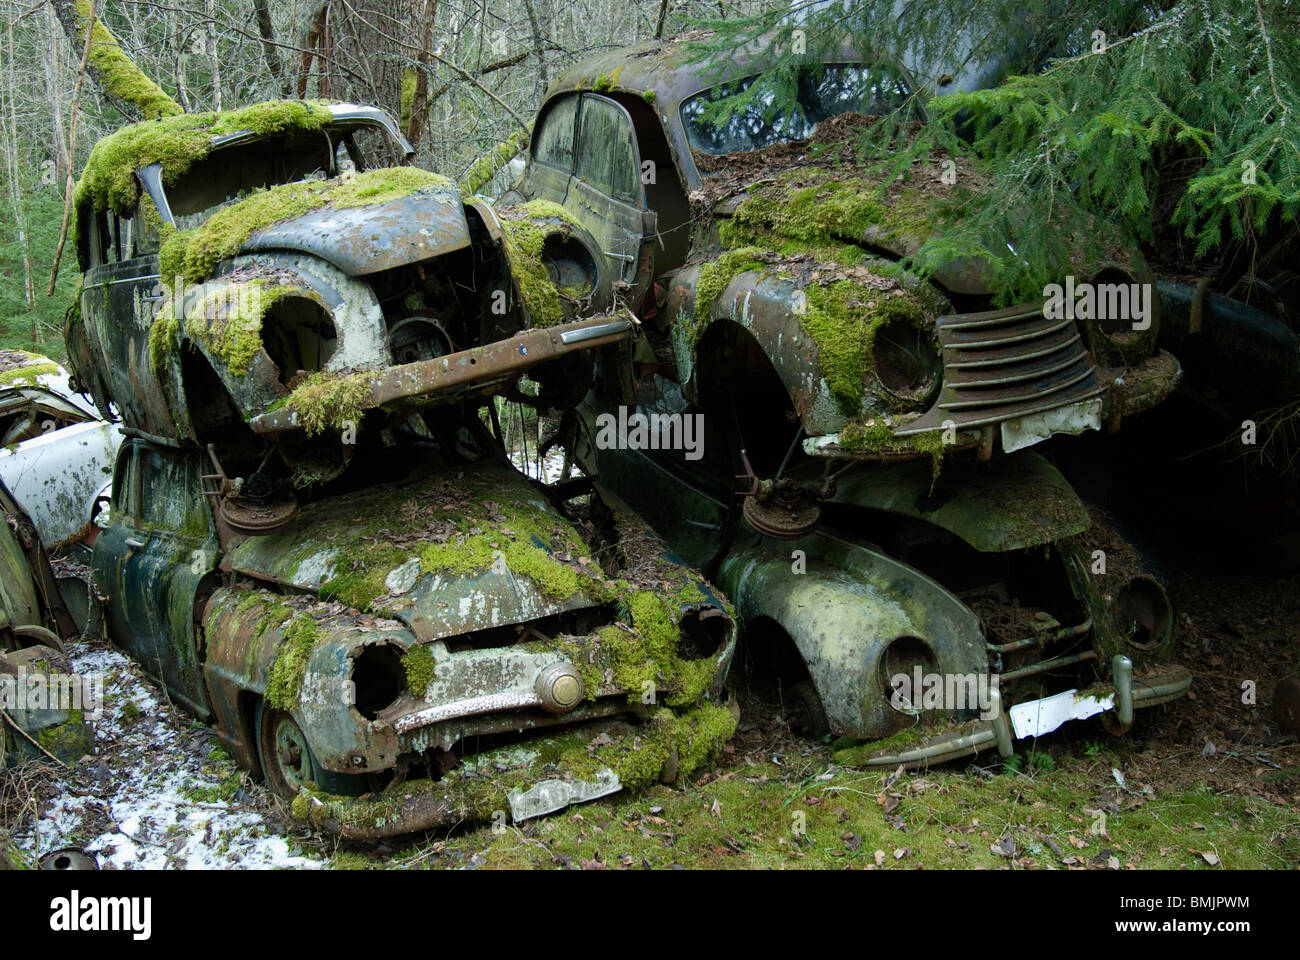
1035	718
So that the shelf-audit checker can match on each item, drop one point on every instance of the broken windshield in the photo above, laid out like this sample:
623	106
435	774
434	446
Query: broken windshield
737	116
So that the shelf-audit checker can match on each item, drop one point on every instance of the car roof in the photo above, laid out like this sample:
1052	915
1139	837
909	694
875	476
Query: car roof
665	73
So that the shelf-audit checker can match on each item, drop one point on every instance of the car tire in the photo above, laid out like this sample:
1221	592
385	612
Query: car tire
805	713
286	758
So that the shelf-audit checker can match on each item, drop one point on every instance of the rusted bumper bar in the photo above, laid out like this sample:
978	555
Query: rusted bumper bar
997	733
479	368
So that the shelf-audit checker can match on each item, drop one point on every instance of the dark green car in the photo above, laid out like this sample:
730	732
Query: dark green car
47	709
432	632
844	448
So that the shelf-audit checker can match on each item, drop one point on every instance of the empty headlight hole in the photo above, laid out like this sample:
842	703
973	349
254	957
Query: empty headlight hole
298	335
903	656
1121	322
1143	612
703	632
907	361
378	677
569	264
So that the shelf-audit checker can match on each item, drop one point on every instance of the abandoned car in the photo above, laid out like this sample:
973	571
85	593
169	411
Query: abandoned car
262	275
441	639
45	709
862	491
316	540
58	450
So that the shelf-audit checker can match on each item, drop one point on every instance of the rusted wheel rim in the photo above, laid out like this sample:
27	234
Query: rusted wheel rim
286	755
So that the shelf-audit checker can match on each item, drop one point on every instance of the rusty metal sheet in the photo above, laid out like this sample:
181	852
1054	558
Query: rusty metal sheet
477	370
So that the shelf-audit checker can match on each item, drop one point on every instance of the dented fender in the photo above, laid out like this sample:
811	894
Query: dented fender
843	612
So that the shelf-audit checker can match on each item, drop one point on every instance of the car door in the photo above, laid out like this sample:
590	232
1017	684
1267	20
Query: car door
585	157
683	491
121	292
606	193
151	561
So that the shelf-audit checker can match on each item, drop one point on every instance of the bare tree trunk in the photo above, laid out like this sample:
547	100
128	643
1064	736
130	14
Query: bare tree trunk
53	74
420	100
213	56
271	53
9	131
537	43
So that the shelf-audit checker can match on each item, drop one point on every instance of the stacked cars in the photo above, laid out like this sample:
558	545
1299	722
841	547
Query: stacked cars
864	491
316	540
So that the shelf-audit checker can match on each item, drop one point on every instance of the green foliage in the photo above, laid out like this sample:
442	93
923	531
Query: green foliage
43	211
1181	111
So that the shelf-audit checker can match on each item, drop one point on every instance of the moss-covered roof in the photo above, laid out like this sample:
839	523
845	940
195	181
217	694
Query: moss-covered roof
178	142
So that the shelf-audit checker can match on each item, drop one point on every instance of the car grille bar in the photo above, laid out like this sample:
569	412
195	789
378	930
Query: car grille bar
1004	364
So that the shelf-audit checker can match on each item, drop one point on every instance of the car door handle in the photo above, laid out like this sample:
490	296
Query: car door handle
135	544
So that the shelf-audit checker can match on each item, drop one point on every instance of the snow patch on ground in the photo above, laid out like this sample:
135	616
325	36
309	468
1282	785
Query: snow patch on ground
132	805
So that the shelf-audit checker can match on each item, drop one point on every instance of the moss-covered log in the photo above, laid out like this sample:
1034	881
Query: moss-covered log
118	75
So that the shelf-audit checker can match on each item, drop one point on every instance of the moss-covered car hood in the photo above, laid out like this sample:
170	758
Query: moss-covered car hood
454	553
361	223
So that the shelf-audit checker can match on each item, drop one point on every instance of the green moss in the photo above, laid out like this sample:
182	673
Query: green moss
713	280
876	436
234	336
648	96
607	81
285	680
826	209
118	72
177	143
409	81
526	228
419	669
29	366
329	400
68	740
478	791
843	318
485	518
642	653
486	167
224	233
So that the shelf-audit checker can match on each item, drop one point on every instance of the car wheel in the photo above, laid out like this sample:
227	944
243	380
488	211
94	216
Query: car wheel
805	713
286	757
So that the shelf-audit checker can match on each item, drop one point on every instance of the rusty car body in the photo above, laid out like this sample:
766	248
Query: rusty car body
316	541
34	623
56	448
865	494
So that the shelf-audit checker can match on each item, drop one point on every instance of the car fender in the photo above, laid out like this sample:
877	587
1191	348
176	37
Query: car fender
843	603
